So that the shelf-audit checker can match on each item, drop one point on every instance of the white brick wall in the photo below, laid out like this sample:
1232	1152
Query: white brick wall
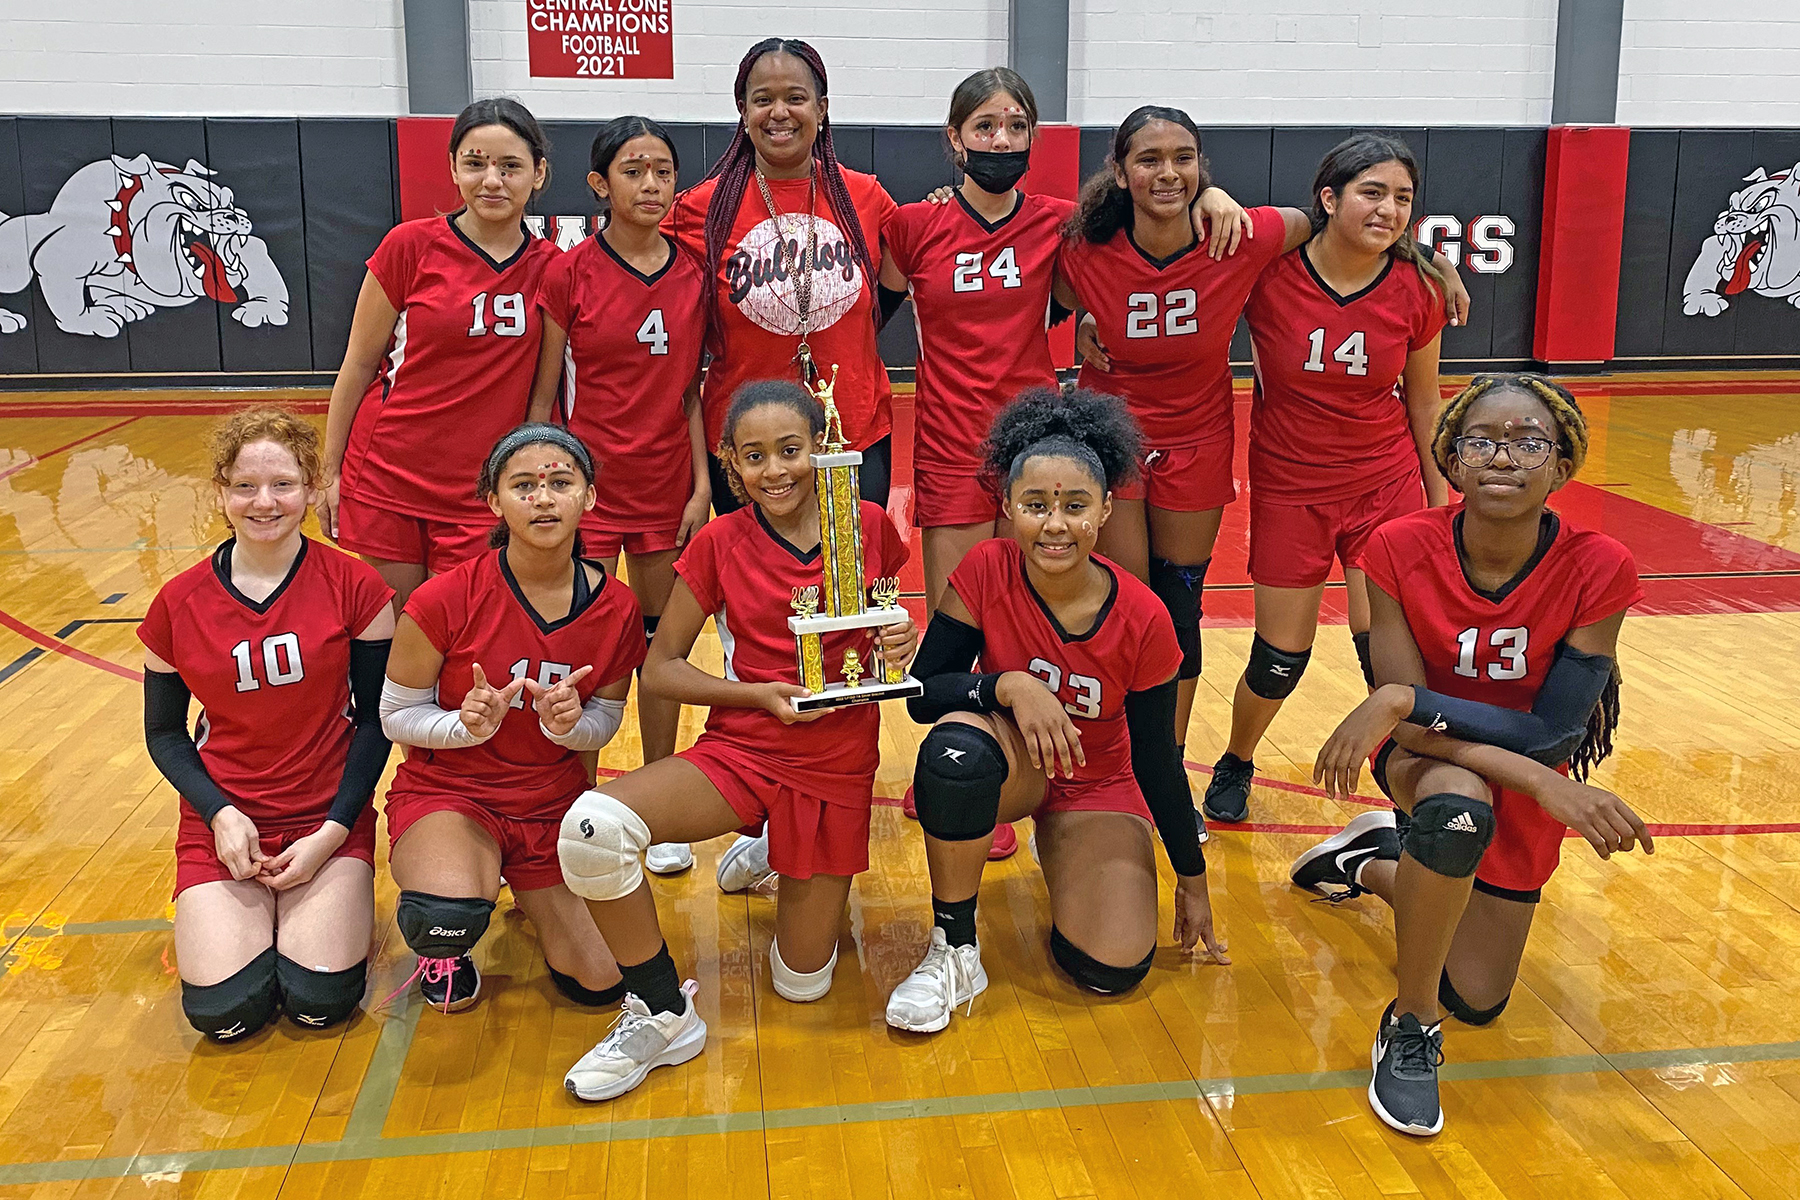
890	61
1413	62
1738	66
210	57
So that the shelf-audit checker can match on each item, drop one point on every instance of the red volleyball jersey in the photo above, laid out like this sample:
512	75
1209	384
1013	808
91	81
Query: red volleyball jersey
757	305
477	614
1131	647
1328	420
272	678
981	297
458	370
1495	650
744	574
634	346
1167	324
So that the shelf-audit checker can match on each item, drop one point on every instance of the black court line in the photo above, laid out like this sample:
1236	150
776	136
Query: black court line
30	656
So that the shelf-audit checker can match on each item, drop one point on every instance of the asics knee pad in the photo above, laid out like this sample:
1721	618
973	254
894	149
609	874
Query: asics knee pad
571	987
1179	588
1459	1008
319	999
792	985
1361	641
1093	974
1274	674
442	926
235	1007
601	847
956	782
1448	834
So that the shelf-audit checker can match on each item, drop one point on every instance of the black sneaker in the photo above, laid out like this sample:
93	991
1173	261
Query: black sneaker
1228	795
449	984
1330	867
1404	1088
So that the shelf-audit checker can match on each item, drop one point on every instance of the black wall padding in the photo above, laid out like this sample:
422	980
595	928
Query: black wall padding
183	338
346	177
18	350
1466	190
1644	252
50	150
1711	167
1522	199
1767	324
259	160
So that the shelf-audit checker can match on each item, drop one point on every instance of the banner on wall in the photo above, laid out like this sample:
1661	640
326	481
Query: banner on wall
1753	247
601	39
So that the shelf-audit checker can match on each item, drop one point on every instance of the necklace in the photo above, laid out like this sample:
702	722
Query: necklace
786	255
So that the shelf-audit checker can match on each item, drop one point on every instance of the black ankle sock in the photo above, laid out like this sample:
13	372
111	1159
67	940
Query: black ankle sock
956	918
656	982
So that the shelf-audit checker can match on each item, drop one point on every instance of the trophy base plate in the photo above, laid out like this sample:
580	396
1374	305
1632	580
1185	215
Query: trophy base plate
838	695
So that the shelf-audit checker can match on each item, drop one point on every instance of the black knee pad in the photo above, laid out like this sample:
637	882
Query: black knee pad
650	624
1274	674
235	1007
956	782
1459	1008
442	926
1448	834
1362	657
319	999
1179	588
1093	974
571	987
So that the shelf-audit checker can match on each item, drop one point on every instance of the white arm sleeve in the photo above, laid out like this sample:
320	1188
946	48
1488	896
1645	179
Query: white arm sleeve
595	727
411	717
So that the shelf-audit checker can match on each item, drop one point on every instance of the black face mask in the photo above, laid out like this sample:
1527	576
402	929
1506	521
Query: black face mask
996	171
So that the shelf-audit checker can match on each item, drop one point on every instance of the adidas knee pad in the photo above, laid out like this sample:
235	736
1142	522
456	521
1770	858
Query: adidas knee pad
1459	1008
1361	641
319	999
601	847
1179	588
956	782
1093	974
442	926
1448	834
1274	674
571	987
792	985
235	1007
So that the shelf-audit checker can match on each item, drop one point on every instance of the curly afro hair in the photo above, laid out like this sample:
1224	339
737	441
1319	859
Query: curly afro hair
1092	428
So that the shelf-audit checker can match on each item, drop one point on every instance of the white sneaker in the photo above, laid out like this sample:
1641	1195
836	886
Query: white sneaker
666	858
640	1042
744	864
949	976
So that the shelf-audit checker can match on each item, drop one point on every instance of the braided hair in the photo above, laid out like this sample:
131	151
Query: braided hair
1104	207
761	393
1572	444
532	433
1350	158
737	165
1091	428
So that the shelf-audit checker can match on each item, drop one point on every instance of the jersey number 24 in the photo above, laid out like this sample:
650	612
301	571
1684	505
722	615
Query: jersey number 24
967	276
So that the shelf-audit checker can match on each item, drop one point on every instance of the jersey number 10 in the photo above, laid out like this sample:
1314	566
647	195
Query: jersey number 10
274	651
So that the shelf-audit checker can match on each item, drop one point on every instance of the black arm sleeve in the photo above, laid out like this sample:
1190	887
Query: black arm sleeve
1548	734
1059	314
172	747
1150	716
949	650
368	745
890	301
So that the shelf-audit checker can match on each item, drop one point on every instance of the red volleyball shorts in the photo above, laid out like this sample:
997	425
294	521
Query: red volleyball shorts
197	855
378	532
1183	478
1117	793
607	543
527	844
1292	545
941	498
808	835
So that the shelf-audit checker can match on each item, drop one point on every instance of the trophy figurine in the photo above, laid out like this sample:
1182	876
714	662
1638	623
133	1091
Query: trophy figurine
839	601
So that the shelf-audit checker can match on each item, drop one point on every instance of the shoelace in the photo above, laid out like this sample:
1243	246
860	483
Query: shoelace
950	970
629	1019
1416	1055
1336	898
430	970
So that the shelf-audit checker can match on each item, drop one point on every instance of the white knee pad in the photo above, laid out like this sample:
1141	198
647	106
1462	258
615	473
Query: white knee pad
601	845
792	985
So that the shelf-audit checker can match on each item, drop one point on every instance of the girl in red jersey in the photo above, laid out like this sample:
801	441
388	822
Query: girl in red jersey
789	237
447	300
624	324
1346	330
1494	632
1067	720
492	768
809	777
283	640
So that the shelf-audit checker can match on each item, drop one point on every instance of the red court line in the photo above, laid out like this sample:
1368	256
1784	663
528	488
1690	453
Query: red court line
38	458
61	647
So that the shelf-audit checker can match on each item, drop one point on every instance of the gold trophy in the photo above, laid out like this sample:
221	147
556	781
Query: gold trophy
864	676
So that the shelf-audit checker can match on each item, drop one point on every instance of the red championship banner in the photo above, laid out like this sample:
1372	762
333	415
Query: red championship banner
601	39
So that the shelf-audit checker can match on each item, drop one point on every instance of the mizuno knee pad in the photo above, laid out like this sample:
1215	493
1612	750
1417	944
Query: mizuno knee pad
1459	1008
319	999
601	847
1448	834
795	986
571	987
956	781
1274	674
235	1007
1093	974
442	926
1180	590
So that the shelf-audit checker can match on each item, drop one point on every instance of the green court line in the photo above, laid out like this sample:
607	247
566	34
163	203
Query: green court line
77	928
363	1144
382	1078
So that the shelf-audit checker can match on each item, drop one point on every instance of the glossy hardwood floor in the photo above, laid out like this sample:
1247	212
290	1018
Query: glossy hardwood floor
1652	1048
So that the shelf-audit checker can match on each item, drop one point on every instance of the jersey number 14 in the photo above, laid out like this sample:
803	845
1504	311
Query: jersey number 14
1350	352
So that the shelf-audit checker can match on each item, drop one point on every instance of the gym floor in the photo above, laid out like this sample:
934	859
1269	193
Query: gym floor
1652	1047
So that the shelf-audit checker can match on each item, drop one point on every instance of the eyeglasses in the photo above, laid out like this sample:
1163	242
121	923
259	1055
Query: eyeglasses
1527	453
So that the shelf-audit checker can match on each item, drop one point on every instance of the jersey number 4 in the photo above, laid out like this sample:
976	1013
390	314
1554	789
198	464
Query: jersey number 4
1350	352
280	662
967	276
1511	644
1087	689
509	315
653	334
1178	309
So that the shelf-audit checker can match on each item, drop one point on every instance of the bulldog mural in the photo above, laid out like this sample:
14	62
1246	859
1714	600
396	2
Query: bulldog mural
1754	247
127	236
